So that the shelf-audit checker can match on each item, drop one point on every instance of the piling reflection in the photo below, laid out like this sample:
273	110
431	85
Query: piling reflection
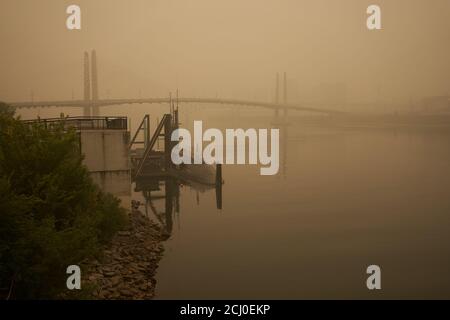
167	189
282	124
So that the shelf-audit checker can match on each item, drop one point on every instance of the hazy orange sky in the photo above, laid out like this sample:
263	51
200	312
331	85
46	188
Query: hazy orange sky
232	48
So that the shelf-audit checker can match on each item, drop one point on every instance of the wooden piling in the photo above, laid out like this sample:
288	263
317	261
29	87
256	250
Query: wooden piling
219	186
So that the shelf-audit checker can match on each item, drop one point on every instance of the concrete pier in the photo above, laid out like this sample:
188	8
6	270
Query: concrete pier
107	158
104	143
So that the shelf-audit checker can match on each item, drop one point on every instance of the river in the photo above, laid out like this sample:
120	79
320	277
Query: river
344	199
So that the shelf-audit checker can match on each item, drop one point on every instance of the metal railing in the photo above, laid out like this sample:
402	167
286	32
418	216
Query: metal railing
145	127
83	123
166	125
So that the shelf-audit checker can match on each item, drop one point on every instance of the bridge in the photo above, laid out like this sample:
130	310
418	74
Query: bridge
92	102
112	102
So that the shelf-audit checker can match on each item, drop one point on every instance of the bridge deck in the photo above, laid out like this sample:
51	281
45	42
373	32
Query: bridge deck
111	102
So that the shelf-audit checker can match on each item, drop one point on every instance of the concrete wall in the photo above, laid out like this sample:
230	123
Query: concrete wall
107	157
117	183
105	150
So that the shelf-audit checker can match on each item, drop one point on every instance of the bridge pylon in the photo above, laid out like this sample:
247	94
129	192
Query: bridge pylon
285	95
87	84
95	110
90	84
281	104
277	93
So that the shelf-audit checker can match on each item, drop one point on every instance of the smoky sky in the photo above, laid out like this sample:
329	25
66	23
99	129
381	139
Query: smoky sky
229	48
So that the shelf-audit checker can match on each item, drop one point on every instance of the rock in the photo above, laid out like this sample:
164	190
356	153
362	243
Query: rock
102	296
93	277
126	293
128	265
109	274
116	280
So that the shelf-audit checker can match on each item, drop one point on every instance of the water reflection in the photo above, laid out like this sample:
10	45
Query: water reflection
346	198
167	189
282	124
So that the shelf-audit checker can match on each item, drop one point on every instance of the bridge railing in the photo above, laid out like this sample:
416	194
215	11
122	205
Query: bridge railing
84	123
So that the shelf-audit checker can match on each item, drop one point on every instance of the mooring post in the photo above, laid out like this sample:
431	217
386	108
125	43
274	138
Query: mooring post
167	141
218	174
219	186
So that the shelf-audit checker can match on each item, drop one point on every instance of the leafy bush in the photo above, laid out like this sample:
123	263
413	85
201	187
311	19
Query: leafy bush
51	213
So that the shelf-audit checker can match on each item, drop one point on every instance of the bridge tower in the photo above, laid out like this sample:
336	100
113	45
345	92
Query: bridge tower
95	111
87	84
277	93
285	98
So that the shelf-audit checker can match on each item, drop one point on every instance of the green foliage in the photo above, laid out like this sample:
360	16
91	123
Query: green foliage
6	110
51	213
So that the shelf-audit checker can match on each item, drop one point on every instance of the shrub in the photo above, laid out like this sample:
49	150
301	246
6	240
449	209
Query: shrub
51	213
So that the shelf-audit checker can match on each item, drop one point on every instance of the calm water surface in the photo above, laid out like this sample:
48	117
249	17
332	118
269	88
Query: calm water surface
344	199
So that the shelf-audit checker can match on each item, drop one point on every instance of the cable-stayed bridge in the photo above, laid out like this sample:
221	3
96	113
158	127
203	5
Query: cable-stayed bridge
92	102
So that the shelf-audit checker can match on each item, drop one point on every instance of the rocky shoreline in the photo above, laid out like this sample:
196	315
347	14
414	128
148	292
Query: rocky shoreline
128	265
